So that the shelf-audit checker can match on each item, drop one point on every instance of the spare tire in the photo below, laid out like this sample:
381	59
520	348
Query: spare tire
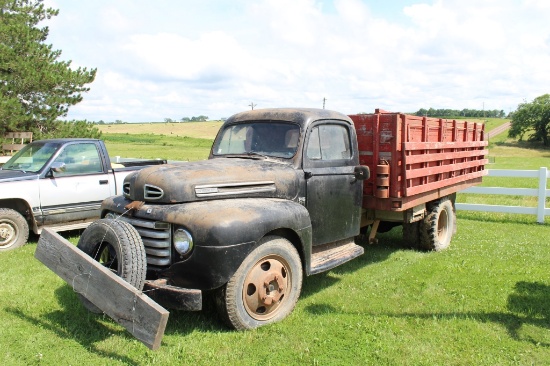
118	246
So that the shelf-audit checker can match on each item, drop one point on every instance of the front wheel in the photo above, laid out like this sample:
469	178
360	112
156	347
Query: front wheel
439	225
14	229
265	287
118	247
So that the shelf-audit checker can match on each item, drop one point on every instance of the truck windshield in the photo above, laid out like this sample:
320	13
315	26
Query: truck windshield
31	158
274	139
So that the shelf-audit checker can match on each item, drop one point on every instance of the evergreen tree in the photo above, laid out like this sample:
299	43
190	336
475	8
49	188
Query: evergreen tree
35	86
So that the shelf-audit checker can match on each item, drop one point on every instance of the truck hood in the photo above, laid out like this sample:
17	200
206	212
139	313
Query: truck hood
212	179
14	175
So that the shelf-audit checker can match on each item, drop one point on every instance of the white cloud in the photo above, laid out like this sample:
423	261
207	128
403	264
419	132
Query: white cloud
186	58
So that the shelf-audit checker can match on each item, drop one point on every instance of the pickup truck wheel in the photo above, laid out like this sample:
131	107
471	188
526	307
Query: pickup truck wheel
438	227
118	246
265	288
14	229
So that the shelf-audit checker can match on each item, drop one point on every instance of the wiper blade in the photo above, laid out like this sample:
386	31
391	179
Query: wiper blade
248	155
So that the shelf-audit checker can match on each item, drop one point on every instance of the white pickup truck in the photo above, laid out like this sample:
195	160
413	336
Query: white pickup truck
58	184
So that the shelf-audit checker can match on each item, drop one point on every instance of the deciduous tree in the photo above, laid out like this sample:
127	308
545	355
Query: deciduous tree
533	118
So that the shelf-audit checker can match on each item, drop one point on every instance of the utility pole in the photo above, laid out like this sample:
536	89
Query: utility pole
324	100
252	105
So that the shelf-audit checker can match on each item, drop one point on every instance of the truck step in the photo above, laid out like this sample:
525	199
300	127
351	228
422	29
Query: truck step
67	227
328	256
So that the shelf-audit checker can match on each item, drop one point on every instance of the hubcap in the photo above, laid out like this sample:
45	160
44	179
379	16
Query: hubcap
265	287
8	234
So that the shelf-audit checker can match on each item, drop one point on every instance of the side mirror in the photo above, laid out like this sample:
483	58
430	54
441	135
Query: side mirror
361	172
57	167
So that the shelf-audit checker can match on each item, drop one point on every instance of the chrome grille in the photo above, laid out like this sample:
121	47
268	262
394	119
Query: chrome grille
156	237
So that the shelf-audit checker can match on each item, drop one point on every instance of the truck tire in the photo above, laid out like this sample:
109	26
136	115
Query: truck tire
438	227
411	234
118	246
14	229
265	287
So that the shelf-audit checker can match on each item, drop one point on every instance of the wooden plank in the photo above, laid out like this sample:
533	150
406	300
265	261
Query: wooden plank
142	317
19	135
429	171
421	158
13	147
409	146
441	184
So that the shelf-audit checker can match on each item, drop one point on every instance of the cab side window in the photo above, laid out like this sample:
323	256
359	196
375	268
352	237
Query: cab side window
79	159
329	142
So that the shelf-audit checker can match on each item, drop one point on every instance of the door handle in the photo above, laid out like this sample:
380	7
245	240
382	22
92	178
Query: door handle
103	182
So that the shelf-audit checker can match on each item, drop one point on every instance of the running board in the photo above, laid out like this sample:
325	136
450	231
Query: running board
328	256
75	226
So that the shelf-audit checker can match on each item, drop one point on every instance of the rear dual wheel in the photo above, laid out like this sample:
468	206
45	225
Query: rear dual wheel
439	225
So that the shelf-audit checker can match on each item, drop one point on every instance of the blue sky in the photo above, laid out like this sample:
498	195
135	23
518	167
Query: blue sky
175	59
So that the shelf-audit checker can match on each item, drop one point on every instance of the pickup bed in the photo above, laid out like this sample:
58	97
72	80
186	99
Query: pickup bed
57	183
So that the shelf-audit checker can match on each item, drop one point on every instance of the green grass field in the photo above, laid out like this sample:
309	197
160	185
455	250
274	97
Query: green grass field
484	301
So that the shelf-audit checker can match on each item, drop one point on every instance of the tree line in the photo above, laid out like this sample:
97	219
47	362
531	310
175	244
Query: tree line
200	118
455	113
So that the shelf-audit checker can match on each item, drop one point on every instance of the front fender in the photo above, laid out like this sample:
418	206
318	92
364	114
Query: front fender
224	233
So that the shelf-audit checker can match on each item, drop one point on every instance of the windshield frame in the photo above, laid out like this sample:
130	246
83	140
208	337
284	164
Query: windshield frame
258	139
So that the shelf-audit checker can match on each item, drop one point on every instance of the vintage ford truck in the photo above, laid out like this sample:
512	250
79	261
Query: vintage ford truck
58	184
283	195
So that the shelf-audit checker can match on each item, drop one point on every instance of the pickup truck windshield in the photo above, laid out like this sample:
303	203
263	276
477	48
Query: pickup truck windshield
275	139
32	157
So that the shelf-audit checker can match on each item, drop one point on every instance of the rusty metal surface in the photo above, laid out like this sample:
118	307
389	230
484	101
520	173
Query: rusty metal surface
302	116
265	285
238	177
224	232
172	297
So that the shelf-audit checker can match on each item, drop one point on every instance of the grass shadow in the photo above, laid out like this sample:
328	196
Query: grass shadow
529	145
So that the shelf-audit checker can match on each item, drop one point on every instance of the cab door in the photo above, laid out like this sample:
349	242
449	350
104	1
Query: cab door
76	191
333	196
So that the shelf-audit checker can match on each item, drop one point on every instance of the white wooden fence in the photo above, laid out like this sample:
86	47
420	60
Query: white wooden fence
542	192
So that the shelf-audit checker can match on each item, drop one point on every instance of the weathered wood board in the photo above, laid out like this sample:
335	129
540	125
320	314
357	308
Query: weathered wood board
142	317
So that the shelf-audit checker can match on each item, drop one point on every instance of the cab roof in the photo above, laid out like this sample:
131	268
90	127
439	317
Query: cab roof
301	116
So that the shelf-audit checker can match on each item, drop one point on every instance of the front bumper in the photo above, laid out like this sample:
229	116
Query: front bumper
172	297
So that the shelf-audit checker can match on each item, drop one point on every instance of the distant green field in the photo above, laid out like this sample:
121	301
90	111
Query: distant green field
484	301
206	130
152	146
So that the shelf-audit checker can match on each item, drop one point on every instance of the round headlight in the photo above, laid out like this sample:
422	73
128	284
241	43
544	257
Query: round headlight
111	216
183	241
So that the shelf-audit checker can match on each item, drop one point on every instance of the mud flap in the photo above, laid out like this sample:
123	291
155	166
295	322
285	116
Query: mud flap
142	317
